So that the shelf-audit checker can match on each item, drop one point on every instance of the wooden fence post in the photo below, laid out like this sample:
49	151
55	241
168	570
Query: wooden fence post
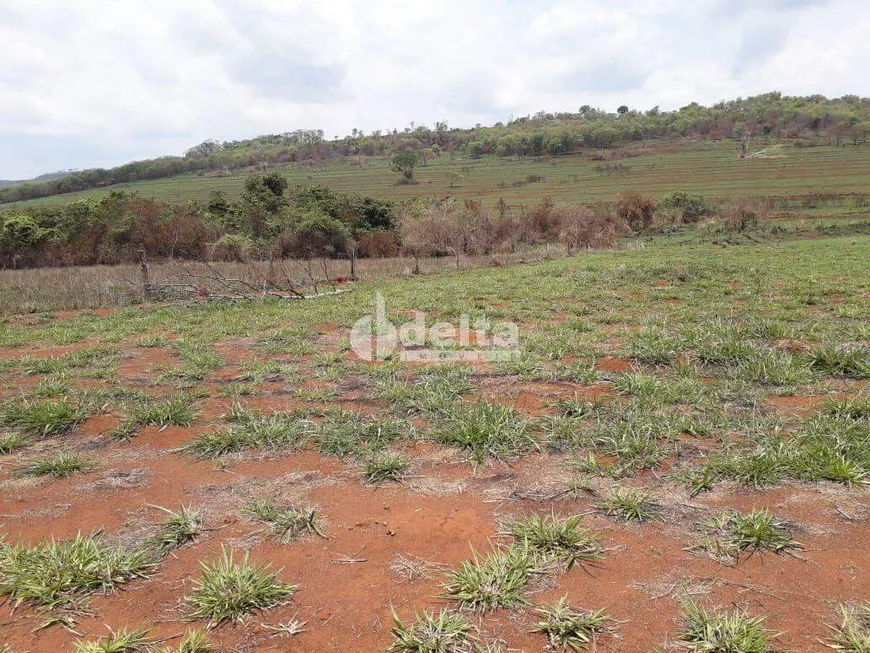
353	262
146	279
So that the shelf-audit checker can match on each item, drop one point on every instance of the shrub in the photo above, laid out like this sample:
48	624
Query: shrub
581	227
690	208
317	234
232	247
635	209
738	217
378	244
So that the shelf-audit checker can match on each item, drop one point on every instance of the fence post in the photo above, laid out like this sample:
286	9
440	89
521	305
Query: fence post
146	280
353	262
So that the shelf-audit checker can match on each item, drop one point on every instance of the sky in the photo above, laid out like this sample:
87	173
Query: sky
96	83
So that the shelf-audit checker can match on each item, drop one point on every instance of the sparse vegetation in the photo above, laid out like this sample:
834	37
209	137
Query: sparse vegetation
57	574
666	366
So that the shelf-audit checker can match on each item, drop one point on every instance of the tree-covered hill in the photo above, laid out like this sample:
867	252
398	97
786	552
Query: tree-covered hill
812	120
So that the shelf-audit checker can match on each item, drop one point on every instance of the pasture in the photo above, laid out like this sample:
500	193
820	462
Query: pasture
676	456
711	169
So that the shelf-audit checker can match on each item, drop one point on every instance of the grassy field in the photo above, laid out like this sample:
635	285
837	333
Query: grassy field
682	429
713	170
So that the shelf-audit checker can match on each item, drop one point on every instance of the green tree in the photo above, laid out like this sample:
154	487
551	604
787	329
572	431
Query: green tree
262	199
404	163
317	235
20	233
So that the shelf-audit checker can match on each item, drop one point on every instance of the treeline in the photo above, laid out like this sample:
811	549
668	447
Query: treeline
269	219
811	119
272	220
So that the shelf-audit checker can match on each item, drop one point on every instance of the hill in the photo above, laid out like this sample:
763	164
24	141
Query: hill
750	123
47	177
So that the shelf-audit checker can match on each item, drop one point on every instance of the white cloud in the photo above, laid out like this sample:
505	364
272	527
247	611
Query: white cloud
111	81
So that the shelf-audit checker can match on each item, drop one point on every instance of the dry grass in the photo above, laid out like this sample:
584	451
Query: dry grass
96	286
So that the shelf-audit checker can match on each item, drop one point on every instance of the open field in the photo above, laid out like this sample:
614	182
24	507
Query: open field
684	429
712	169
34	290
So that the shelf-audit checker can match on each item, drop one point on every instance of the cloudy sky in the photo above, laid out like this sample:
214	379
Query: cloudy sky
87	83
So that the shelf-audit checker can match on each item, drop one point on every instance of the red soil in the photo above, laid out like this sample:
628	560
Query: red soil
346	586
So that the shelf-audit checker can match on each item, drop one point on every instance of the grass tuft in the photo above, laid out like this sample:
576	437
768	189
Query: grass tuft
230	590
856	408
486	430
718	631
12	442
386	467
556	540
250	430
733	533
496	581
122	641
348	434
842	360
41	419
183	526
194	641
60	465
852	635
51	575
285	523
445	632
630	506
174	411
568	628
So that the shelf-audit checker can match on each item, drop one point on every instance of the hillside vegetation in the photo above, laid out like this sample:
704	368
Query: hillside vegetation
748	123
